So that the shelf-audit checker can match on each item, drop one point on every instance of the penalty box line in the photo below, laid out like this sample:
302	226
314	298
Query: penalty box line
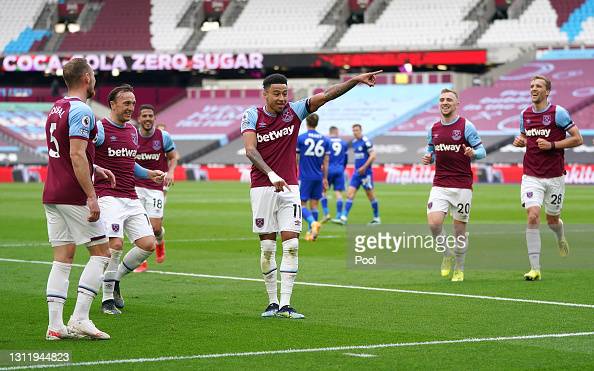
352	287
303	350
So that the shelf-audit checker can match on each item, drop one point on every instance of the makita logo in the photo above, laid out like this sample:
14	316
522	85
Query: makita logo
148	156
122	152
448	147
273	135
538	132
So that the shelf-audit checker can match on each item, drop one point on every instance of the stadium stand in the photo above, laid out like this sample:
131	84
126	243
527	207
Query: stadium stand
259	25
377	109
413	23
584	118
160	97
538	25
495	110
17	16
586	36
165	15
26	41
575	17
206	119
25	123
116	28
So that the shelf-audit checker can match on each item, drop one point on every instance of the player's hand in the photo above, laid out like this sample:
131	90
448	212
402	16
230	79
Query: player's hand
468	151
168	181
543	144
367	78
325	184
156	176
427	159
102	173
519	141
361	171
278	182
93	205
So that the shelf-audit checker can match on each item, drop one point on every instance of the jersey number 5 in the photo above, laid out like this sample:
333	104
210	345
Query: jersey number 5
51	152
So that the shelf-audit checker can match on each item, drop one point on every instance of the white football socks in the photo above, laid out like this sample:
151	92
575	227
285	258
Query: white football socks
57	292
131	261
268	266
558	229
110	274
288	269
533	243
460	251
88	286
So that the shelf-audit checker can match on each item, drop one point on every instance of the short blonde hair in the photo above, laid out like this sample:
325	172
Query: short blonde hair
446	90
543	78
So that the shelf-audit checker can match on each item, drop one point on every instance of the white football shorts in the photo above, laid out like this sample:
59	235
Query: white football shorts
125	215
68	224
550	191
153	201
276	211
456	201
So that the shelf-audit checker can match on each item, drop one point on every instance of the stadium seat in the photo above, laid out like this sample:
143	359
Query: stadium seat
537	26
294	26
16	16
413	24
116	28
165	35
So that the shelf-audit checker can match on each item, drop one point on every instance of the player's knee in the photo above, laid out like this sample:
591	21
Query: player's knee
146	243
553	219
157	230
533	218
291	247
268	248
116	243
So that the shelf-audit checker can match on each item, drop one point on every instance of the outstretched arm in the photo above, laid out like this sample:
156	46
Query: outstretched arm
335	91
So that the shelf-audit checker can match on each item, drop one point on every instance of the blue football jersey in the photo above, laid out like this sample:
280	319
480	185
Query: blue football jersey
338	155
361	148
312	147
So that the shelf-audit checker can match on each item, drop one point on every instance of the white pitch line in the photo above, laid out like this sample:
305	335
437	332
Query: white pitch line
360	355
303	350
213	239
352	287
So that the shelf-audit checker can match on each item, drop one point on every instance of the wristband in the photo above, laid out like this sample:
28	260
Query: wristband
274	178
552	145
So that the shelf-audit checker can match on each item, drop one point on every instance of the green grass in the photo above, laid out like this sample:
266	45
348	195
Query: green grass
209	232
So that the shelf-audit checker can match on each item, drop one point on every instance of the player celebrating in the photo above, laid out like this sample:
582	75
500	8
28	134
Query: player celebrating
543	128
122	210
156	151
452	143
313	150
70	203
336	180
270	138
363	175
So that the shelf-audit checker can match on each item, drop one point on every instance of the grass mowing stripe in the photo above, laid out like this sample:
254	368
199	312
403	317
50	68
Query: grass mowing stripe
304	350
331	285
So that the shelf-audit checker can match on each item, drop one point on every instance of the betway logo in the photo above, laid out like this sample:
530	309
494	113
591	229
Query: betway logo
273	135
538	132
148	156
448	147
122	152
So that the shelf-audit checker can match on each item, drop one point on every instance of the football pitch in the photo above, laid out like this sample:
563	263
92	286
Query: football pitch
200	309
